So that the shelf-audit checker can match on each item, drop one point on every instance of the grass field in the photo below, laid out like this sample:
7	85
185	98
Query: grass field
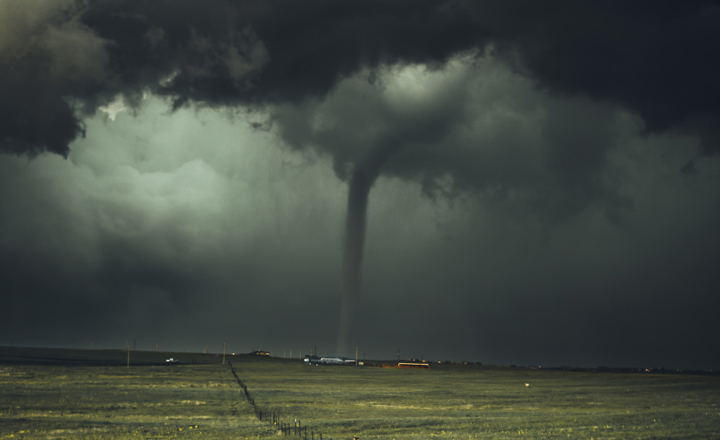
44	397
88	395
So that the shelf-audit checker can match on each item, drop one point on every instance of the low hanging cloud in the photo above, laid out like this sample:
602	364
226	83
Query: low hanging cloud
475	127
49	57
65	59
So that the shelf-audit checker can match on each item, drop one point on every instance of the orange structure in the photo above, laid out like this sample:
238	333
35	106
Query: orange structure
413	365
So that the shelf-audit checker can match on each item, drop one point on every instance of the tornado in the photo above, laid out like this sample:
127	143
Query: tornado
363	177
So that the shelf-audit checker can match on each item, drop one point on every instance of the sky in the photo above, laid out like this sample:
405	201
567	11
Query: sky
505	182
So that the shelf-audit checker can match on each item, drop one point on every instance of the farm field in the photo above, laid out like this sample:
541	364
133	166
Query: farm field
92	395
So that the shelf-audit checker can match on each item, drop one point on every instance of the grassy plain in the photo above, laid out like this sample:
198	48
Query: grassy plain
49	398
91	395
467	402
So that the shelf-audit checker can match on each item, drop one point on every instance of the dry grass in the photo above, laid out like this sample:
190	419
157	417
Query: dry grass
487	402
202	400
79	402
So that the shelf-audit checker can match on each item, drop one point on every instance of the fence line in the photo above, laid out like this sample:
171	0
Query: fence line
271	416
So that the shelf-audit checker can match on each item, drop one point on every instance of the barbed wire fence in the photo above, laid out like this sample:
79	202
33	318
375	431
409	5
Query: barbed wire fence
272	416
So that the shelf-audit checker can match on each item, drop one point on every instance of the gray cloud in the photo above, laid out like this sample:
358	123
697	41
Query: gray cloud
48	55
472	126
654	60
528	207
141	234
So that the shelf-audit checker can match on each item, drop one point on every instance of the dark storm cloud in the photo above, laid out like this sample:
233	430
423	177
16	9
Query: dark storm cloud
47	56
472	127
498	107
214	53
655	58
63	59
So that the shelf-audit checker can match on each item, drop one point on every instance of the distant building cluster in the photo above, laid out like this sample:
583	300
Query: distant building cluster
317	360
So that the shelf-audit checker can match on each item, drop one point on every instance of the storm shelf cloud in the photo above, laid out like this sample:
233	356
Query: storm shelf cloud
501	181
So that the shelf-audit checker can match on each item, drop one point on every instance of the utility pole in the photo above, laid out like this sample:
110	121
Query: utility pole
128	357
223	353
398	354
356	356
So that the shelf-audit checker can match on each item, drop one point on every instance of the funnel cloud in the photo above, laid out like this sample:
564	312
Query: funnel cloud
361	182
358	191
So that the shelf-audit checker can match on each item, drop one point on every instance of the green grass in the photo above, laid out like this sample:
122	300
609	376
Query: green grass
487	402
51	400
45	397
